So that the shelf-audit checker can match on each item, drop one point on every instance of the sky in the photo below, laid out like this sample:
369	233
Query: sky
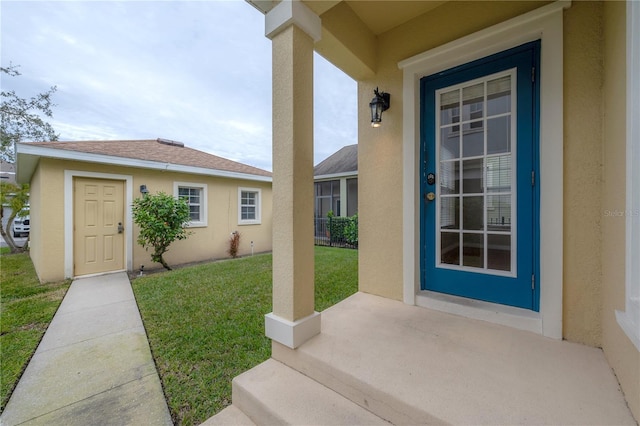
198	72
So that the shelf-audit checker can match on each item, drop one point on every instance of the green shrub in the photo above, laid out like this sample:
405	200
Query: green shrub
343	229
162	220
351	231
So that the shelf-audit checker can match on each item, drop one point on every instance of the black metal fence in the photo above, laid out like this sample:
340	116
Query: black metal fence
336	231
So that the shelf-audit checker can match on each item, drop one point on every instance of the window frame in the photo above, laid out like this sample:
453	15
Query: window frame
203	222
258	206
629	319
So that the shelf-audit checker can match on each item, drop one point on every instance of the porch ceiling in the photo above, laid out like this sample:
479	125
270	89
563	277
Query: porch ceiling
381	16
350	28
378	16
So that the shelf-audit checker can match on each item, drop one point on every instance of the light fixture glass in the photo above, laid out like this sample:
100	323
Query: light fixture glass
378	105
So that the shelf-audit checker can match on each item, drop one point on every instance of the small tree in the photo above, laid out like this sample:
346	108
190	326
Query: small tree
16	197
162	220
20	118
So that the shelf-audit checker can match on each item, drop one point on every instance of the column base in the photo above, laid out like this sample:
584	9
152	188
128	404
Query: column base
291	334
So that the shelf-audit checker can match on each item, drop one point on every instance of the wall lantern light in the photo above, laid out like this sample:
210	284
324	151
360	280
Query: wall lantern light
144	190
378	105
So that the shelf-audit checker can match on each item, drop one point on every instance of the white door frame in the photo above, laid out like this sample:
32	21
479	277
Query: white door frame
545	24
69	218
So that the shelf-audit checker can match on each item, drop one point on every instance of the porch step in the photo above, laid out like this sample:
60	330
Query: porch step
274	394
411	365
230	416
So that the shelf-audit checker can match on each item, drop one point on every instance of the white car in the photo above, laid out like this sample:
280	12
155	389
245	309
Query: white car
21	226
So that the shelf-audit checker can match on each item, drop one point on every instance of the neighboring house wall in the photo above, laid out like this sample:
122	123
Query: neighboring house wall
620	351
36	251
339	195
206	243
47	227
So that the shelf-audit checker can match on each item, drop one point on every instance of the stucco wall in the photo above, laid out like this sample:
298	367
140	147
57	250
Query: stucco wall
206	243
35	231
620	352
582	278
47	228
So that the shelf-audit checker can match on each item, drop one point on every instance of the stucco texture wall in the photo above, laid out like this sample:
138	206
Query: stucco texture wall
205	243
620	352
47	229
583	74
210	242
35	232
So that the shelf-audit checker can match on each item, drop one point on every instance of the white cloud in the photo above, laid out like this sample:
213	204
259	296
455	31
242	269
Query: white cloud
198	72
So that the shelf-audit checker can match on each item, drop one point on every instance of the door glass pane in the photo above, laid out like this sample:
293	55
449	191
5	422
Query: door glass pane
473	213
472	176
450	248
450	213
473	250
476	191
472	139
472	102
499	252
450	107
499	135
499	174
499	212
449	143
449	177
499	96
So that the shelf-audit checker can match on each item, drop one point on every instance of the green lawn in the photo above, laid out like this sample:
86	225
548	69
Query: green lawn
206	323
26	309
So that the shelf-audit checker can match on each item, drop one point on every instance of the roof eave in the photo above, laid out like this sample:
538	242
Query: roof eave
353	173
29	155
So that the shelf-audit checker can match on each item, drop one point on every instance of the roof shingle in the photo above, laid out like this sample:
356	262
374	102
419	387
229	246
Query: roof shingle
342	161
155	150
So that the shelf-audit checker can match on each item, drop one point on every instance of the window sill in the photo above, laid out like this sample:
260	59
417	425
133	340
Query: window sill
250	222
197	225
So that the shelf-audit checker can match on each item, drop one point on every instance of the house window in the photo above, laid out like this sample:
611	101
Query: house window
327	198
196	196
249	202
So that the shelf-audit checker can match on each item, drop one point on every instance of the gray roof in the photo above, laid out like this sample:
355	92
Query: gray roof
343	161
158	150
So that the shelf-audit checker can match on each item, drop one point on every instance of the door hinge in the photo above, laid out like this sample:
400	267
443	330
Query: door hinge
533	178
533	74
533	281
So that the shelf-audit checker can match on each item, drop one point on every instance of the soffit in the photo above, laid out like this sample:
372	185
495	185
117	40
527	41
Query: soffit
378	16
382	16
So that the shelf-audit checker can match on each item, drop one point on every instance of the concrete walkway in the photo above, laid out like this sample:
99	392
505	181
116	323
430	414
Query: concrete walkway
93	365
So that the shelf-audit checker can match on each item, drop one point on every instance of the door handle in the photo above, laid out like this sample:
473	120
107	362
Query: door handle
430	196
120	228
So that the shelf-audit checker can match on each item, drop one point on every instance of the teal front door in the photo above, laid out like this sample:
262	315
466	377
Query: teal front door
479	147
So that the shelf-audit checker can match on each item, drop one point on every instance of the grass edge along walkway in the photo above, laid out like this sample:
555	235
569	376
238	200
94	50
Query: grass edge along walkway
26	309
205	323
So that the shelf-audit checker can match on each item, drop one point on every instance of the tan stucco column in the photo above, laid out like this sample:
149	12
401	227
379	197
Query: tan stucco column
293	28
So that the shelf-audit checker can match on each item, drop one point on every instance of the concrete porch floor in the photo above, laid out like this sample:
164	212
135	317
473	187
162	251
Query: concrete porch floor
410	365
